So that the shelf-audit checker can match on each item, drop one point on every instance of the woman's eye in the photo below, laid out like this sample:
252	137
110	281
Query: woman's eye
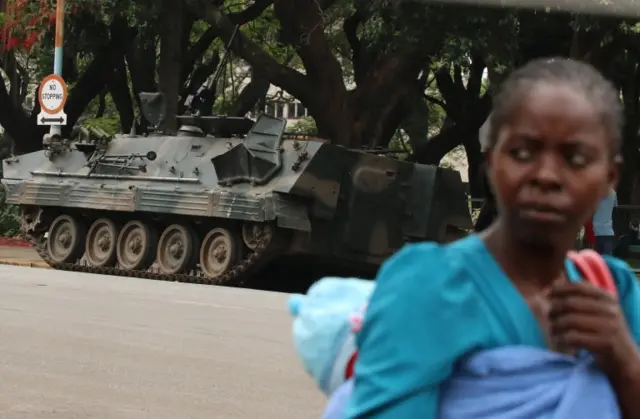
521	154
577	159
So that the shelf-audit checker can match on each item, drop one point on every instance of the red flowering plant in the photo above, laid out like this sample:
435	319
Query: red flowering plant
26	21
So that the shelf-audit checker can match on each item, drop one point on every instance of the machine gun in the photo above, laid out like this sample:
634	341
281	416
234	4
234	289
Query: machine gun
205	94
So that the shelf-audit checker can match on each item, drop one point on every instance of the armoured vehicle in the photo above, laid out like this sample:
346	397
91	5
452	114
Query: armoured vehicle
220	199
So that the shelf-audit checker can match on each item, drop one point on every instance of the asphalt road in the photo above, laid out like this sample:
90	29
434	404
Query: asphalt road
84	346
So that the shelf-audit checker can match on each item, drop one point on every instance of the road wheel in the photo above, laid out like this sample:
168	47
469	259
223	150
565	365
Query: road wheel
177	249
66	238
220	252
102	239
136	247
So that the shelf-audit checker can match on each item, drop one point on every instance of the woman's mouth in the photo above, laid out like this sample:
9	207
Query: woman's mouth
542	215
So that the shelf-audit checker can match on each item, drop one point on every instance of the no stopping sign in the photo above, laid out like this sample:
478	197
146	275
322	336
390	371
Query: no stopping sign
53	94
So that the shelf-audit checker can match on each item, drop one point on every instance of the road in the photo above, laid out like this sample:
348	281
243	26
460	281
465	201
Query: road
76	345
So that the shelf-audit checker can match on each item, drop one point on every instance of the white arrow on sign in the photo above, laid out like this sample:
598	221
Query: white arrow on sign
59	118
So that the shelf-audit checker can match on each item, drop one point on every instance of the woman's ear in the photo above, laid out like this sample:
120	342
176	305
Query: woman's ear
488	157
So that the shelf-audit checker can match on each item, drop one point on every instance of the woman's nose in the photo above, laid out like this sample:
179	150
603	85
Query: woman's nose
547	172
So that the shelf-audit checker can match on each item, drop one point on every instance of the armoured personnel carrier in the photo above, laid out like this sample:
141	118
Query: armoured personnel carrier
220	199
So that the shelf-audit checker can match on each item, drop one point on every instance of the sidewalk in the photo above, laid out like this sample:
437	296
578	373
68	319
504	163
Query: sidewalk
19	253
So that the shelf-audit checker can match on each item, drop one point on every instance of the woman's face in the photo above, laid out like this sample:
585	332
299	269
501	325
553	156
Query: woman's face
551	164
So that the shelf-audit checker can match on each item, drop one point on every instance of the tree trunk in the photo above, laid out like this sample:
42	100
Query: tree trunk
99	72
141	61
367	116
170	69
377	102
198	78
118	87
102	104
252	94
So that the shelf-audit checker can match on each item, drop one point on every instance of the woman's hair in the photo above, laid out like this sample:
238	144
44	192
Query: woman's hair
581	76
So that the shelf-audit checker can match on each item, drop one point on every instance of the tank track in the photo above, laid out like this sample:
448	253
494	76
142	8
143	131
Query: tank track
263	253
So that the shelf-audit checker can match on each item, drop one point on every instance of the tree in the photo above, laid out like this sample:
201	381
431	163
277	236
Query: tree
19	123
369	72
356	117
110	51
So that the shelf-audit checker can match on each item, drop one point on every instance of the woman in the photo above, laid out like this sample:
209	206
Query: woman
554	154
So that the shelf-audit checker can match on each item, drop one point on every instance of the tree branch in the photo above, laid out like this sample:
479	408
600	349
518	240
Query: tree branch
250	13
198	78
476	70
448	91
303	23
284	77
438	146
395	74
350	28
25	80
102	104
16	123
436	101
197	50
251	94
170	79
118	86
457	77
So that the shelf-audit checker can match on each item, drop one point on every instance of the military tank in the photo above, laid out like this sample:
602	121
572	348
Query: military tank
222	198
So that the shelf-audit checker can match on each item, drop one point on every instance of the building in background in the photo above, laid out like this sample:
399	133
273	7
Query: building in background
291	110
280	104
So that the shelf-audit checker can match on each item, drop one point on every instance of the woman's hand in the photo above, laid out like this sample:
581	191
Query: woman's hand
585	317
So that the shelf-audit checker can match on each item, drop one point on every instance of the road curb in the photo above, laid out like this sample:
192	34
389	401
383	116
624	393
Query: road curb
14	242
25	263
43	265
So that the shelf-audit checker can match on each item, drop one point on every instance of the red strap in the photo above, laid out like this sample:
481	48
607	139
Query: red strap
594	269
348	373
589	234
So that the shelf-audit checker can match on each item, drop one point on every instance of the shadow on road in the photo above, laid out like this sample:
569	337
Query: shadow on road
297	274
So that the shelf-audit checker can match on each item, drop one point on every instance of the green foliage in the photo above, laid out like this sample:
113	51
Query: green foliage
111	125
453	157
266	31
447	34
9	225
475	212
400	142
436	115
109	121
303	126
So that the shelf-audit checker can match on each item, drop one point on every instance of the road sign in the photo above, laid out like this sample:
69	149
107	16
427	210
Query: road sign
52	98
57	119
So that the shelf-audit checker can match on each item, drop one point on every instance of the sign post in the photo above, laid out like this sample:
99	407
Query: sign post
52	98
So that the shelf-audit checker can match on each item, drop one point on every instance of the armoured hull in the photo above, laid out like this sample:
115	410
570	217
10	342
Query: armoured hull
195	207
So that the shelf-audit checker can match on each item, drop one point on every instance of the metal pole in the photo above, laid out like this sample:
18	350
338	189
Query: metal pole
57	56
